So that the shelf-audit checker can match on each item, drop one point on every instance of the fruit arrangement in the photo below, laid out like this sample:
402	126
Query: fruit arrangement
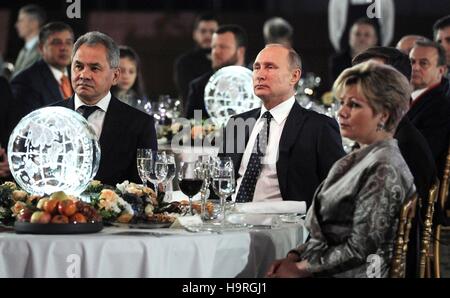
58	209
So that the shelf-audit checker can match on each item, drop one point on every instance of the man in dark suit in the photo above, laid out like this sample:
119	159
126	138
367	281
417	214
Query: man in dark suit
47	80
430	107
121	128
228	44
197	61
280	151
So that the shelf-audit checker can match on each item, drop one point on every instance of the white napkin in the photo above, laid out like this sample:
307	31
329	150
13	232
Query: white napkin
272	207
187	220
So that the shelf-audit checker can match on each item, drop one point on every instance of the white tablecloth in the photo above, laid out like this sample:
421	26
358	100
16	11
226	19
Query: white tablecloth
117	252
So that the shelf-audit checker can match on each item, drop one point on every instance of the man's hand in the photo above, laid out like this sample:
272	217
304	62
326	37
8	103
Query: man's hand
4	166
289	268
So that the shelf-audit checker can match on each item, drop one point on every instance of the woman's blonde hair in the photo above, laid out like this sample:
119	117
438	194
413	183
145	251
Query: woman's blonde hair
384	88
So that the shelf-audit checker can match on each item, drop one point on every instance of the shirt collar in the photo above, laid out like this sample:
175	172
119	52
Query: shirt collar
57	73
417	93
281	111
31	43
102	104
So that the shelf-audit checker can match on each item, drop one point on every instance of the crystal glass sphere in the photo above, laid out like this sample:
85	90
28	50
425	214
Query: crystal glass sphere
228	92
53	149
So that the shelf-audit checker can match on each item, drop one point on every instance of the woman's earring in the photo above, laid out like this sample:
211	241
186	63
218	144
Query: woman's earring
380	126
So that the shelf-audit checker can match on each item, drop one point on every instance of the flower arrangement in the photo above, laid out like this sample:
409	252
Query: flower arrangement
127	202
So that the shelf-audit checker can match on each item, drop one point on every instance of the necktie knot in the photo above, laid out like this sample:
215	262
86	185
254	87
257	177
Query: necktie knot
88	110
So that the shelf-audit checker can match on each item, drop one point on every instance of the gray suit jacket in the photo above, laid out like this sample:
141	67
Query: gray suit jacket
26	59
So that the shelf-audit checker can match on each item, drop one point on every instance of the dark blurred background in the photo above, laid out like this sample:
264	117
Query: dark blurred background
160	30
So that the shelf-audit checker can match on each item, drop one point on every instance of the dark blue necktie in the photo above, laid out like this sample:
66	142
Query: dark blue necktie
248	183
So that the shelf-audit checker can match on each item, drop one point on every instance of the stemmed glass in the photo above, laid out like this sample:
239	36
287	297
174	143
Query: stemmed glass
223	182
205	163
144	164
158	169
171	169
190	181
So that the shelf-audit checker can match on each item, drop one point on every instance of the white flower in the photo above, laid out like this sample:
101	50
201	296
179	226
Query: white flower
149	209
122	187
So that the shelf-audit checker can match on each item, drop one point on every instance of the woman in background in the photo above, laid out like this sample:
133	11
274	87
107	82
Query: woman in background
355	211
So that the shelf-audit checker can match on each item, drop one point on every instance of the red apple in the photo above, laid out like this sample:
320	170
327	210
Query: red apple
67	207
78	218
60	219
40	217
24	215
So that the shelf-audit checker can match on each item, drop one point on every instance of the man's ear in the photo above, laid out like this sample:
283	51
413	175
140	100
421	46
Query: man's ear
296	75
116	76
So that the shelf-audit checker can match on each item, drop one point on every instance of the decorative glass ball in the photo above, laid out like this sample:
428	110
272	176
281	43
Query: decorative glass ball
53	149
228	92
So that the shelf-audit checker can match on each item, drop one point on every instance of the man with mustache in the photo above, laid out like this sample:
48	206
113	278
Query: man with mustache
47	80
288	149
228	47
121	129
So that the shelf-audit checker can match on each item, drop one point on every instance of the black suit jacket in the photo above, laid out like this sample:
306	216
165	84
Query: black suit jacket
9	112
309	145
430	114
189	66
196	96
125	129
36	87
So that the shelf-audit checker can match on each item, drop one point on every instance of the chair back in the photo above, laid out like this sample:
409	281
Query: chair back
443	191
443	197
407	213
425	242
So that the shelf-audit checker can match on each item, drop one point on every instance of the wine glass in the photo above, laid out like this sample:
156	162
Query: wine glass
158	169
144	163
205	163
189	180
223	182
171	169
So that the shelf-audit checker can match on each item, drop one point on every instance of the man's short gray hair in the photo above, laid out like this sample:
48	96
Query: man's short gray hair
93	38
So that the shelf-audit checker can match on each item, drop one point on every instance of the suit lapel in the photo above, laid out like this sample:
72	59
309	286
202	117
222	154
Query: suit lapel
111	125
289	137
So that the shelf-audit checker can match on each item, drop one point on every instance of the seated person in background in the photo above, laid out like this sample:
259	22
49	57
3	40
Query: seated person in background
356	209
280	151
406	43
194	63
363	35
278	30
47	80
120	128
130	87
228	44
413	147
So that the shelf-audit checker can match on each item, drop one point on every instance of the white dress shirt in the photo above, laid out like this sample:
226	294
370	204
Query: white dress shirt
415	94
57	74
267	188
31	43
97	118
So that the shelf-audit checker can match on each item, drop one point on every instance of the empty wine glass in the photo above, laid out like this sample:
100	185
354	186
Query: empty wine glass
171	169
223	182
158	170
205	163
144	163
189	180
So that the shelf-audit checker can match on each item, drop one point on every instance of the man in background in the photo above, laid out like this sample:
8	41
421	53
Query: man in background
441	33
229	44
47	80
196	62
31	18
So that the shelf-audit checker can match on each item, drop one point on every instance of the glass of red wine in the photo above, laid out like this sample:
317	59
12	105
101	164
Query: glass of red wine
190	181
